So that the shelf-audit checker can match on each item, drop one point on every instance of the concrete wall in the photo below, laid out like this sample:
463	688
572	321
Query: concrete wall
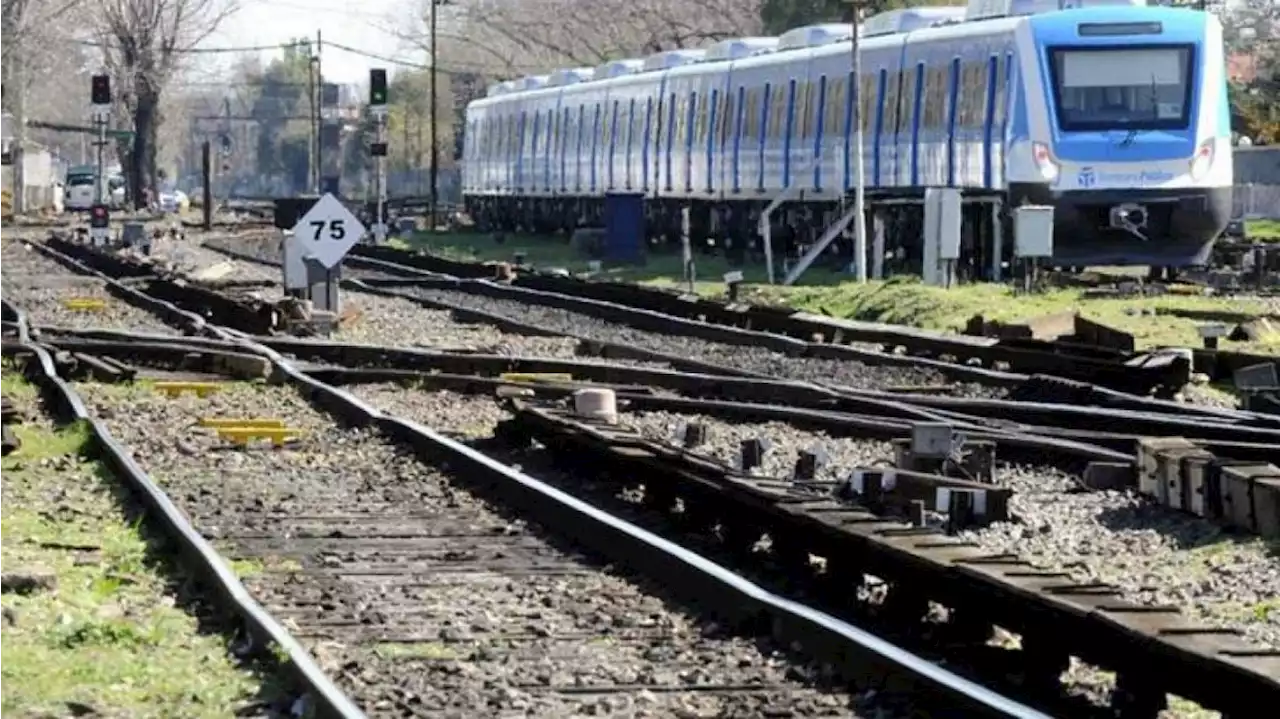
41	173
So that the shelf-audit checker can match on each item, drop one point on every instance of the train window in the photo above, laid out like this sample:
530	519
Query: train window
777	112
607	116
889	102
806	98
867	101
751	114
701	111
937	83
907	103
671	119
724	117
972	95
833	113
1002	91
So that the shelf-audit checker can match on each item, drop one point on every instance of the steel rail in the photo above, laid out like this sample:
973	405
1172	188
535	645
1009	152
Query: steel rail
629	542
201	555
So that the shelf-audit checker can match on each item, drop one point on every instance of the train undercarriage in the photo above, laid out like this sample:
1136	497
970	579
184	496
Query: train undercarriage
1173	231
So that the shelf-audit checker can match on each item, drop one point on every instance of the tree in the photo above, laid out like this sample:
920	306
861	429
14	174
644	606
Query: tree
1251	30
280	94
144	42
780	16
510	38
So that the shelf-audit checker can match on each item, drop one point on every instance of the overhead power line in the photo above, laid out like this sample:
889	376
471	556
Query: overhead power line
206	50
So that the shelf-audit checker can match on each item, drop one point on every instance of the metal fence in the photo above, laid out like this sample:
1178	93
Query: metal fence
1256	201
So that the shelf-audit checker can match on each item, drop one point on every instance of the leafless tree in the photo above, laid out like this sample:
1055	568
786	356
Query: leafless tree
145	42
507	38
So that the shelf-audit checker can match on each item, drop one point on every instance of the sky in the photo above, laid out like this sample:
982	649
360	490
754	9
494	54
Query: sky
271	22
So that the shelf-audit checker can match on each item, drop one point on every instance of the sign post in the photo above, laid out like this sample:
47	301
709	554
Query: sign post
320	239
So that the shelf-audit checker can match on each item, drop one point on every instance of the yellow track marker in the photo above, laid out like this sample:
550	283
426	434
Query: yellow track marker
232	423
173	389
84	303
242	435
536	377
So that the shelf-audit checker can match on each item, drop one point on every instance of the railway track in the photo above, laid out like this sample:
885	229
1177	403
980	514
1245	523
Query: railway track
419	597
887	370
1058	523
556	632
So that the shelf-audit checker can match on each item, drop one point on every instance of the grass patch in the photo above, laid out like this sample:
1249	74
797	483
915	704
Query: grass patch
546	252
1268	230
102	627
1154	321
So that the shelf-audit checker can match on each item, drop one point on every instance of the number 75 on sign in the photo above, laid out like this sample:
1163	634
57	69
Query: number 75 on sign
328	231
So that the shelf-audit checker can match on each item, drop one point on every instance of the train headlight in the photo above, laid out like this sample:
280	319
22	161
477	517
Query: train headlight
1203	160
1044	161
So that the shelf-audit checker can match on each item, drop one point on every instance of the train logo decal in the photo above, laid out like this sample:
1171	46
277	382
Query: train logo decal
1087	177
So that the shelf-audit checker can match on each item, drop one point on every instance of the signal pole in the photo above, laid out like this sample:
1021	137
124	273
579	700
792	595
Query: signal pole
100	97
435	147
378	148
859	180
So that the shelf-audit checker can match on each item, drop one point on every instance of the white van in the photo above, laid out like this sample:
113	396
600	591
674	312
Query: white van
80	192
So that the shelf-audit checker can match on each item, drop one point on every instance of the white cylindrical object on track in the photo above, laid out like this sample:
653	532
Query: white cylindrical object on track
598	404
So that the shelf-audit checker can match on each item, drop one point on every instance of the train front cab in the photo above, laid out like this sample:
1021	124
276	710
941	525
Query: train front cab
1125	129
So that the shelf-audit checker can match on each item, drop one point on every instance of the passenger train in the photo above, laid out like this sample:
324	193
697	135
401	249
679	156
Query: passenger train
1112	111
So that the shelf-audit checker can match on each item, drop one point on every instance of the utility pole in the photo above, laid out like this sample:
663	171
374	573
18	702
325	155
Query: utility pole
319	101
18	152
434	144
859	180
313	122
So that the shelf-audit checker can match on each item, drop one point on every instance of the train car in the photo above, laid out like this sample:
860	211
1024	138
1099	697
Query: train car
1112	111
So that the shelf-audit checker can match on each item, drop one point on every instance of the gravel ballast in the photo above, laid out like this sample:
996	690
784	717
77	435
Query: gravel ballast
1156	556
417	595
41	287
743	357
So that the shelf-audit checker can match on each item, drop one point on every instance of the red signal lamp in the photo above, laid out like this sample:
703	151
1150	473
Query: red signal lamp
98	216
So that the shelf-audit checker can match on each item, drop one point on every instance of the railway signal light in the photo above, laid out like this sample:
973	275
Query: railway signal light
378	87
98	217
100	90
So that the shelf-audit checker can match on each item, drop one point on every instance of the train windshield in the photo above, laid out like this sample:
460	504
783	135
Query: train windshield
80	181
1133	88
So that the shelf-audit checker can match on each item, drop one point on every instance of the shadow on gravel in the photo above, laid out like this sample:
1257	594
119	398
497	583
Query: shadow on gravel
1186	531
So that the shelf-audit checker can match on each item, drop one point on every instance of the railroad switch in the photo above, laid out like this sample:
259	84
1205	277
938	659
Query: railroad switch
85	303
242	435
809	463
693	434
752	452
201	389
228	422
